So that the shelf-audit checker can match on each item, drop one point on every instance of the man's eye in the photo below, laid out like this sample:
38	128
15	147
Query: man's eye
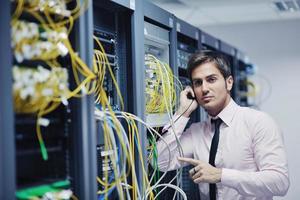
211	80
197	83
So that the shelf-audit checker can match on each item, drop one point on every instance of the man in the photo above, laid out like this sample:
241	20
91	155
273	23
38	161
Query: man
241	156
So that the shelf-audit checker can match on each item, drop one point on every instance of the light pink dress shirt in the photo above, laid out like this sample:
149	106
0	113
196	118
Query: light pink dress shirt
250	152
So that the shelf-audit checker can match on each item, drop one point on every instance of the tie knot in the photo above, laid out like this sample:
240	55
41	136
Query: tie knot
217	122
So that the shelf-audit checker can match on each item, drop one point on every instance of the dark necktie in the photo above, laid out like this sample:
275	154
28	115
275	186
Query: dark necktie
212	154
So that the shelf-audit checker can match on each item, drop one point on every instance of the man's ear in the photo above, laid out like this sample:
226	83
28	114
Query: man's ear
229	83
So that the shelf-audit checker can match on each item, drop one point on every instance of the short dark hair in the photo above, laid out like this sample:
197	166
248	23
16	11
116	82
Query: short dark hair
208	56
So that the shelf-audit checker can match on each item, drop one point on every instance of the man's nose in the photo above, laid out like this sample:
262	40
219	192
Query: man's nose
204	87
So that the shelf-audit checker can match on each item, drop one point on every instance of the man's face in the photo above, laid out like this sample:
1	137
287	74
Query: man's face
210	87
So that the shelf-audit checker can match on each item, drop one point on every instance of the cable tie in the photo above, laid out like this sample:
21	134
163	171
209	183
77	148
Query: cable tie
66	13
62	49
43	122
65	194
19	57
83	89
64	101
63	35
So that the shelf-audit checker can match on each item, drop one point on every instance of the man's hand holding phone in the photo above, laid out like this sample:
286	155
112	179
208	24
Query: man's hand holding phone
188	102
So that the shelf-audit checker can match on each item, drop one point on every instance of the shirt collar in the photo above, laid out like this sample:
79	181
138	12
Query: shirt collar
227	113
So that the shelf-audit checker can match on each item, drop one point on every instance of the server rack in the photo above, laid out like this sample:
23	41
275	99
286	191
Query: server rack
229	52
138	99
85	140
188	43
78	116
209	42
160	41
160	33
112	28
70	158
117	27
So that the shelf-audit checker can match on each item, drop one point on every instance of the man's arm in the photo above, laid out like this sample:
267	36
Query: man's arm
175	143
272	178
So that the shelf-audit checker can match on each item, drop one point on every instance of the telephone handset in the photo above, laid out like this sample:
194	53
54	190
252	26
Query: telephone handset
189	96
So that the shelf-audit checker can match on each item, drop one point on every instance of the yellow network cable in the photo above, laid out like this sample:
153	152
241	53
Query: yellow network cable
74	197
34	87
91	81
132	136
146	189
55	8
106	106
101	64
160	86
46	41
18	11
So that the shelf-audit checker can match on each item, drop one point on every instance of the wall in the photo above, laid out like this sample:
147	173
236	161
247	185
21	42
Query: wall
275	48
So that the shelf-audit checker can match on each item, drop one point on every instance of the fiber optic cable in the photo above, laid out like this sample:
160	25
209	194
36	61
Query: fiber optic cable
123	115
54	34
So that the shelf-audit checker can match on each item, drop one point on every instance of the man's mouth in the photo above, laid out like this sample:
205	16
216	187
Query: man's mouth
207	98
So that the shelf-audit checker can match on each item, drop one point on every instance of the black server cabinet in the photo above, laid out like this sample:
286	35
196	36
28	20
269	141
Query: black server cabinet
160	41
209	42
188	43
112	27
115	28
229	53
66	161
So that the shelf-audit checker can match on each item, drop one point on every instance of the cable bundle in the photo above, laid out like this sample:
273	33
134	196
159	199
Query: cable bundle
51	7
44	37
123	146
46	40
102	68
160	86
35	88
31	42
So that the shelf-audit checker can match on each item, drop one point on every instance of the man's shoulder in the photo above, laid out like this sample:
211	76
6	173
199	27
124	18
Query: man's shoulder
255	116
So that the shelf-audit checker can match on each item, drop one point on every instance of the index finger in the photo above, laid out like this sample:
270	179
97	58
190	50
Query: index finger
188	89
189	160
